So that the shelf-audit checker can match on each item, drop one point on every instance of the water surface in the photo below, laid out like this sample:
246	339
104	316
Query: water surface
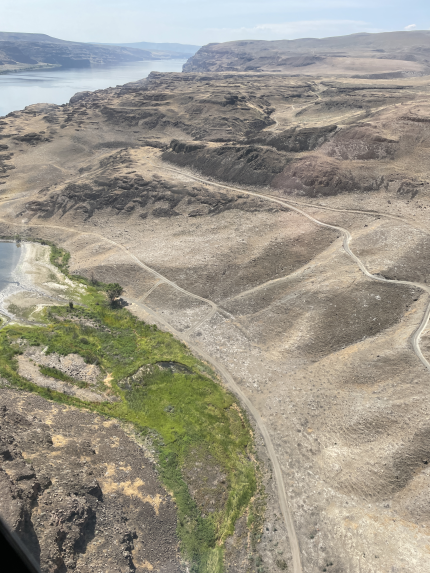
9	257
20	89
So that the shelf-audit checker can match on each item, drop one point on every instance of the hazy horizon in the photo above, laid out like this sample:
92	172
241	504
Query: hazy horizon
202	21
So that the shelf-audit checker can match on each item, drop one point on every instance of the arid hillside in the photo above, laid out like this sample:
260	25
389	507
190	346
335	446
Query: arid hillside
279	227
378	56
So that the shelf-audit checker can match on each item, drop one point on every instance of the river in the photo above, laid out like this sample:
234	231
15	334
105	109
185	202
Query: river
19	89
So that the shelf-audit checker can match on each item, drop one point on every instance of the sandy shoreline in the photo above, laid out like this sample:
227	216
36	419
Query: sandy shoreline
33	277
17	286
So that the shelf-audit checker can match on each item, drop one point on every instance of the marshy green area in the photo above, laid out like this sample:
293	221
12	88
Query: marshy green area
189	419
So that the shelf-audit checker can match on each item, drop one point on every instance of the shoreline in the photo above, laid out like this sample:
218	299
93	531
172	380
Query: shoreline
96	66
19	281
30	68
26	278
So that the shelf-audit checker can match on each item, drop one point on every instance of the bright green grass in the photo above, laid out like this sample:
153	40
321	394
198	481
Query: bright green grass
180	412
58	375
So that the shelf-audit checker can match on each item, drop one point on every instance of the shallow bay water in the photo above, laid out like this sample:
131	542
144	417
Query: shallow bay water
9	257
17	90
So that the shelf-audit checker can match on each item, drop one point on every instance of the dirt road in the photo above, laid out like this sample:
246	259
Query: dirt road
230	382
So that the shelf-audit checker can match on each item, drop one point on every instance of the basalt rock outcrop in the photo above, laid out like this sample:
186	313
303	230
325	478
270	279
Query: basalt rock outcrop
81	499
153	197
248	164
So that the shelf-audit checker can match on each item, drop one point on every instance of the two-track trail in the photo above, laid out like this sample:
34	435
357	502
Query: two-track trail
225	374
228	379
346	240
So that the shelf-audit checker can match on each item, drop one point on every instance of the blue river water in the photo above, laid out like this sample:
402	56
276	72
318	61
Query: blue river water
9	257
17	90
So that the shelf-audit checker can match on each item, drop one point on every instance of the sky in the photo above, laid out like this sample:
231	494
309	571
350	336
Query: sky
202	21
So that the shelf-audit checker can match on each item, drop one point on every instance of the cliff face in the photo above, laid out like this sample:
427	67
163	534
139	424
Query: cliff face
390	55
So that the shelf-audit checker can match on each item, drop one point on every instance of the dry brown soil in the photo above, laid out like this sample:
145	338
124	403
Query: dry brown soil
148	185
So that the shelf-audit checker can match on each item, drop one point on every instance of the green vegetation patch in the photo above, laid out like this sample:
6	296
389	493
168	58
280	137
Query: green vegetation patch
58	375
54	373
60	258
194	424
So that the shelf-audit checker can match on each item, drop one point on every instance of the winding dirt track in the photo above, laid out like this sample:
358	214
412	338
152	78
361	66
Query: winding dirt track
346	240
231	384
295	549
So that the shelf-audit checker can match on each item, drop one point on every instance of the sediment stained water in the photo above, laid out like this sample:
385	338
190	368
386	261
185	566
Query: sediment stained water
9	257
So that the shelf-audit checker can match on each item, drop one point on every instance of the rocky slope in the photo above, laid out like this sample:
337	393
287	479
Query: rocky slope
389	55
161	175
80	492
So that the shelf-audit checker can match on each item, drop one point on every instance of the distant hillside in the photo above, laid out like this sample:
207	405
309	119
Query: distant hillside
385	55
24	37
186	49
23	51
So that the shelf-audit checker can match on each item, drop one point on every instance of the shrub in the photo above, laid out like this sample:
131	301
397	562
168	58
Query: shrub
114	291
